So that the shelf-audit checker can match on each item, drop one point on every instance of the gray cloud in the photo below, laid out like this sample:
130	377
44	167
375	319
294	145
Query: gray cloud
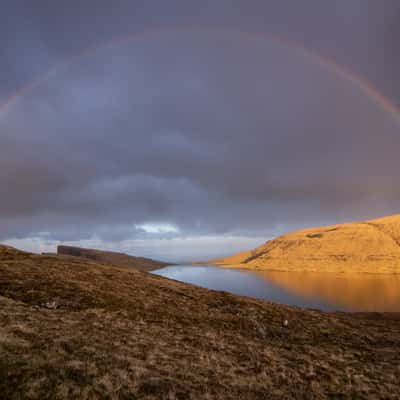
214	133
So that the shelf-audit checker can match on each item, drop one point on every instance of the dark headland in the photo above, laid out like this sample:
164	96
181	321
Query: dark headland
112	258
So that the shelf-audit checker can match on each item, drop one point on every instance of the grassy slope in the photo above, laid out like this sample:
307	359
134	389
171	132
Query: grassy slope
121	333
372	246
111	257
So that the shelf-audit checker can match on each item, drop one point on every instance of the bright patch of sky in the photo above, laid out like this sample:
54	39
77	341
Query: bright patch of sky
158	228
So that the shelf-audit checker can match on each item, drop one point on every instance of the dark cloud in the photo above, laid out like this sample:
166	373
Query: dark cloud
206	132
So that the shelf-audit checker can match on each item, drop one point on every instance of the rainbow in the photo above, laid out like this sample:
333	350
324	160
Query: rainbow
361	84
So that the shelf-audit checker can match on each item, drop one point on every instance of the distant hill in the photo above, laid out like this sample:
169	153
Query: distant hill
71	328
366	247
110	257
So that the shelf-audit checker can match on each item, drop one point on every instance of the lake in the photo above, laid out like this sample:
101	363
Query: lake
324	291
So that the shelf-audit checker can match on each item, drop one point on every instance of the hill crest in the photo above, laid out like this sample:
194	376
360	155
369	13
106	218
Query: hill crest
364	247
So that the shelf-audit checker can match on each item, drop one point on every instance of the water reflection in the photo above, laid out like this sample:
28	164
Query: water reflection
326	291
358	292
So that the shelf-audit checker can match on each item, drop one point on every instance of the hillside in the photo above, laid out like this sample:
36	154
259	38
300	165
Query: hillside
73	328
110	257
362	247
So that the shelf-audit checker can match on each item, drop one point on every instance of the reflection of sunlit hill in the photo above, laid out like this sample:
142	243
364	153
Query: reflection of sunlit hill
352	291
372	246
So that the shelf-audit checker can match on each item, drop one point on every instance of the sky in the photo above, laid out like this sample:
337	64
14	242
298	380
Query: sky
188	130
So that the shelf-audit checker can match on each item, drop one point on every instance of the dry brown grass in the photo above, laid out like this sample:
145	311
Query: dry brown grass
119	333
362	247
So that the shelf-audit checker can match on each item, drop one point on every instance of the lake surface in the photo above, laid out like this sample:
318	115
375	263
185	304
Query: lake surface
324	291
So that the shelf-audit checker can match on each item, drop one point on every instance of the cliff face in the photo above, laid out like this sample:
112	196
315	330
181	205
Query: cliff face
109	257
371	246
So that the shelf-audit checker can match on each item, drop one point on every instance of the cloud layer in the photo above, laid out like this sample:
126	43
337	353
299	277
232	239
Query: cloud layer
213	133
